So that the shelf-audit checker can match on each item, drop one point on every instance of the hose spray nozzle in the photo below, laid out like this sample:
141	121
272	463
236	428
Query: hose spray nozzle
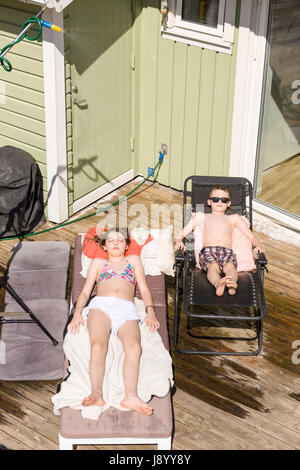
52	26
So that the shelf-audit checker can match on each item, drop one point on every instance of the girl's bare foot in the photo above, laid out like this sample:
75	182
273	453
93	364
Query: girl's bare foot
231	286
132	402
220	286
94	399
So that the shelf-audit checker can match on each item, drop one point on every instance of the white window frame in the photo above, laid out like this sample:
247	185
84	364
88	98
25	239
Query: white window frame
219	39
201	28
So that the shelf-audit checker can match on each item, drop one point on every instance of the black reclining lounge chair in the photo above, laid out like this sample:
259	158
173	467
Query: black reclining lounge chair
200	304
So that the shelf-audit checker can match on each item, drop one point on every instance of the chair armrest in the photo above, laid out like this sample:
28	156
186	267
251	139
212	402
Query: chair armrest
179	262
179	257
261	261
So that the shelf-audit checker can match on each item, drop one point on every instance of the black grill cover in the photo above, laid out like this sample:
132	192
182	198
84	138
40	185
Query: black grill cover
21	192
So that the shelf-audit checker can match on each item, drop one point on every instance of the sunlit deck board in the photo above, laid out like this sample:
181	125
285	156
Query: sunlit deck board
219	402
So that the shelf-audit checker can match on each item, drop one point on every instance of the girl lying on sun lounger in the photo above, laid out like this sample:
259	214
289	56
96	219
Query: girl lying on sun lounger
113	311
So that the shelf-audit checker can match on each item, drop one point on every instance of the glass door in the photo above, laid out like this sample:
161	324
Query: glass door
277	173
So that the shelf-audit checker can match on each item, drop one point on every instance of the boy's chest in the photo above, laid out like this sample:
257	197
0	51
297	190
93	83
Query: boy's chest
221	224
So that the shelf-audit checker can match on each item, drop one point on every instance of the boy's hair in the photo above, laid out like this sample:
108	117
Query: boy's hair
123	230
221	188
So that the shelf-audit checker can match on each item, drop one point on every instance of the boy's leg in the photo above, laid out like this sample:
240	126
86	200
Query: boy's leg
230	272
214	277
99	325
129	334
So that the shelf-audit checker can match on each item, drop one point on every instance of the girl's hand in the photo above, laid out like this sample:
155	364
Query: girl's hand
151	322
74	326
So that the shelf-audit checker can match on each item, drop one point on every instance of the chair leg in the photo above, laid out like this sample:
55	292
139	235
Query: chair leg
177	310
216	353
208	353
259	336
164	444
65	444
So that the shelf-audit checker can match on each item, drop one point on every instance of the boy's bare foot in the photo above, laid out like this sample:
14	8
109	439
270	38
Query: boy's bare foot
93	399
220	286
231	286
132	402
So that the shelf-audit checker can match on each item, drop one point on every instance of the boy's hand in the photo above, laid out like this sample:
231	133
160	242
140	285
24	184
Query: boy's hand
179	245
258	249
151	322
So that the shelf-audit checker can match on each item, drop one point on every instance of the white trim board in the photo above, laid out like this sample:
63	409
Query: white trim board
277	216
59	5
163	443
103	190
55	117
248	87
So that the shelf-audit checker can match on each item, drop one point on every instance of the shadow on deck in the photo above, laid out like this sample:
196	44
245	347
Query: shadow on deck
219	402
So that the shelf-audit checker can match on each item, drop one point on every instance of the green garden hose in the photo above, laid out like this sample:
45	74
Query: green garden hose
34	19
94	213
23	35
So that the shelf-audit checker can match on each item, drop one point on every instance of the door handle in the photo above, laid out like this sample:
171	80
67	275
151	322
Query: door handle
79	102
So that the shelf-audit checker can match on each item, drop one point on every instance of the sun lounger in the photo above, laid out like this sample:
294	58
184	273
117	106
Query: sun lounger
36	310
245	310
114	426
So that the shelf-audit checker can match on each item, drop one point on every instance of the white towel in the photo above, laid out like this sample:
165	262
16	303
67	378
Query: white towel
2	352
155	375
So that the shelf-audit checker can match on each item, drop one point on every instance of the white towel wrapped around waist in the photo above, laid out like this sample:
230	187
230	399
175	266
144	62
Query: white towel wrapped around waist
118	310
155	374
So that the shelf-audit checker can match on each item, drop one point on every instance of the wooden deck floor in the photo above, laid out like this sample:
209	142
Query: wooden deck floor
219	402
287	173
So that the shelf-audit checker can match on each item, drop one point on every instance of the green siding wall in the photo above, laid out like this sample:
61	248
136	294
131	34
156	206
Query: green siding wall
22	114
184	98
181	95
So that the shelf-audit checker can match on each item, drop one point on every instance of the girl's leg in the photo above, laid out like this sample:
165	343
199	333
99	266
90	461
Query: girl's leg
99	325
214	277
232	277
129	334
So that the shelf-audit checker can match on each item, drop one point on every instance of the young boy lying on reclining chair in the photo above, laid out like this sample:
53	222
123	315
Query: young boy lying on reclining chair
216	256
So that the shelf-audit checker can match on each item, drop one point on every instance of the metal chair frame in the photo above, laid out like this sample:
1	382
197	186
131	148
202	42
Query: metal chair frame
6	285
184	266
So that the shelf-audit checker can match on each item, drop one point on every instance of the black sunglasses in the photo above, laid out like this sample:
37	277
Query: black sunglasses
224	200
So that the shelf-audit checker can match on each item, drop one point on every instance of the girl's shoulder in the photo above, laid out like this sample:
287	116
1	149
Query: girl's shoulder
95	268
133	259
98	263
